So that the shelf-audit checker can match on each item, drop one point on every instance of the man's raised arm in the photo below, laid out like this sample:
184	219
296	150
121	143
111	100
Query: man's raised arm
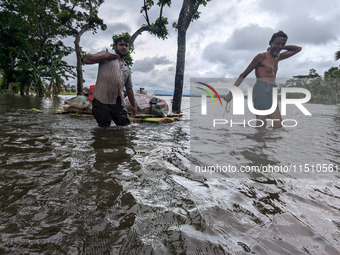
95	59
290	51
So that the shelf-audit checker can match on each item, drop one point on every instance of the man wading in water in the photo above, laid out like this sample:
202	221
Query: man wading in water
113	74
266	66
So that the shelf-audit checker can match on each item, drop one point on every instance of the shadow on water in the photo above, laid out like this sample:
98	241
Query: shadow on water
258	154
110	211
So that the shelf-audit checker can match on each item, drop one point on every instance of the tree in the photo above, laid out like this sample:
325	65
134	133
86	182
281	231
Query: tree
47	33
189	12
332	80
323	89
13	41
79	17
56	71
337	55
158	28
312	82
29	32
35	74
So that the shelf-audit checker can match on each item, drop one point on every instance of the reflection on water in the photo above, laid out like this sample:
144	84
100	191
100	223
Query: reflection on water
68	187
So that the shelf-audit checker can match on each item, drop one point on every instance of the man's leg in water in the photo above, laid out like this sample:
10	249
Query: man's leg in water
277	118
261	122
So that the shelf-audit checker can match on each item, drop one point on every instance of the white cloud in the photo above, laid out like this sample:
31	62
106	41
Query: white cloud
148	64
251	37
308	30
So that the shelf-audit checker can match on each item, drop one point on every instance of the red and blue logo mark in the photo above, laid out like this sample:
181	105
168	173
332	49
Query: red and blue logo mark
209	93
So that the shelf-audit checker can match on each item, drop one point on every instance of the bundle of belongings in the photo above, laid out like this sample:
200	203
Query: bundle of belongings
148	104
80	104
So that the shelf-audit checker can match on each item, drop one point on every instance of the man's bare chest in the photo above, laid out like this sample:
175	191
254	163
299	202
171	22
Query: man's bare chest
269	65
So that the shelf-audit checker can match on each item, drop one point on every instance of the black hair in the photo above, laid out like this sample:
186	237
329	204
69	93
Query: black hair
122	38
278	34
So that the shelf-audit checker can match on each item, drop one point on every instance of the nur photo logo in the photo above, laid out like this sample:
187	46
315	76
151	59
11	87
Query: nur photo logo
239	101
204	96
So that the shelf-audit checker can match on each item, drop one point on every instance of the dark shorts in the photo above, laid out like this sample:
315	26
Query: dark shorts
263	95
105	113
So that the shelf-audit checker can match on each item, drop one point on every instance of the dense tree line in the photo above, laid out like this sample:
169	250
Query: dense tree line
325	90
31	42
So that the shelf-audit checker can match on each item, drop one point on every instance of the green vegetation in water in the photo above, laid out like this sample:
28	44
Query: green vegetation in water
68	94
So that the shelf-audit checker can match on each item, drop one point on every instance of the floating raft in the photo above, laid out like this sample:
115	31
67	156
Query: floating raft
57	111
138	118
156	119
61	111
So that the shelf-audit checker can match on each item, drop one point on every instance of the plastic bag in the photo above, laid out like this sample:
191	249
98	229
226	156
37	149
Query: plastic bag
149	104
159	107
78	104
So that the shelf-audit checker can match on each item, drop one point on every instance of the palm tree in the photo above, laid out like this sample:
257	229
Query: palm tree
337	55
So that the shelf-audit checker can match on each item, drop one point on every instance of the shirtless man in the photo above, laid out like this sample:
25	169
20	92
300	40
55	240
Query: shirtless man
266	66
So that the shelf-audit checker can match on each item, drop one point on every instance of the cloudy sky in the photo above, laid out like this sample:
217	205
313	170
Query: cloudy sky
223	41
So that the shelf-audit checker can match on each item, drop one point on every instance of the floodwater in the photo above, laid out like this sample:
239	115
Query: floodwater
68	187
